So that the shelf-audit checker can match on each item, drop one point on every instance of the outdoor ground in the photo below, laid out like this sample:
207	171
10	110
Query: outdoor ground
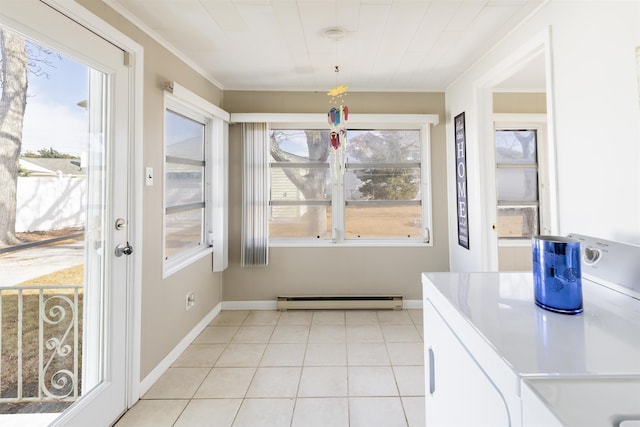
36	236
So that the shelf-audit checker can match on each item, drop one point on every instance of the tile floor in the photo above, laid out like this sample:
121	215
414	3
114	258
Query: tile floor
294	368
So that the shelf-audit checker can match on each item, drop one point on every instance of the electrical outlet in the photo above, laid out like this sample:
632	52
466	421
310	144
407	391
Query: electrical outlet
190	300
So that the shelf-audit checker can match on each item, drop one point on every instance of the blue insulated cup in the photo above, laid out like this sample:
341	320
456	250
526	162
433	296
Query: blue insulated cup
557	277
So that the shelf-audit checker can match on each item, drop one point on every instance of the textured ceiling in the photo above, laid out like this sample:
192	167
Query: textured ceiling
387	45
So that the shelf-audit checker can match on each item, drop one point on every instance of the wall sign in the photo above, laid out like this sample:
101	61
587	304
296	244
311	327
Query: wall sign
461	180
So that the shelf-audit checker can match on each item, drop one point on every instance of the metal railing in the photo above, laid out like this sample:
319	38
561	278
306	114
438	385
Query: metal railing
40	343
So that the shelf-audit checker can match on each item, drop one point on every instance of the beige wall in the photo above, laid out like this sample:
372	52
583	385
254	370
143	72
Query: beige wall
302	270
336	270
520	102
165	322
517	258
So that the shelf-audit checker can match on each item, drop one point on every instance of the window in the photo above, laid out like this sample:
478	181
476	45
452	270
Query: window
185	219
517	183
195	138
300	202
383	183
380	197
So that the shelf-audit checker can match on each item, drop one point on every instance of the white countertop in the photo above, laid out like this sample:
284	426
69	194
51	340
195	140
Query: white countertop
590	402
604	340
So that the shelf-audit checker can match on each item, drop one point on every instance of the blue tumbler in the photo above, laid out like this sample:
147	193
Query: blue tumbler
557	277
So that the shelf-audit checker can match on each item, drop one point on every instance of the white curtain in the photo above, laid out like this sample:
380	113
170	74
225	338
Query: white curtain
255	194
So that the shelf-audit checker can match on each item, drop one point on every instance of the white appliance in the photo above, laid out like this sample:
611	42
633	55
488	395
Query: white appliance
491	351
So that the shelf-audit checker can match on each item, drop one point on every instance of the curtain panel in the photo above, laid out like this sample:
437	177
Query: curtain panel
255	194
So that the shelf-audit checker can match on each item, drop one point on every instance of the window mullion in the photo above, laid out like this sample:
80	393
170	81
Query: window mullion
337	207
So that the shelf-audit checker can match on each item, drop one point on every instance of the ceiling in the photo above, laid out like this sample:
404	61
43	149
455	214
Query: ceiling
282	45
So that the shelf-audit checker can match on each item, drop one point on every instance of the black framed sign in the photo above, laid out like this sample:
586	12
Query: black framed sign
461	180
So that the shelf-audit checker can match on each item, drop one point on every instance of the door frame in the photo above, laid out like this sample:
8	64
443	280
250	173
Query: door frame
483	93
135	56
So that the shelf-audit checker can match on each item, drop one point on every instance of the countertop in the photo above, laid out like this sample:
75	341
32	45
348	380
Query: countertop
590	402
603	341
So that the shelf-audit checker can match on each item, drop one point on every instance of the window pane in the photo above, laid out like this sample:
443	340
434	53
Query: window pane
516	146
310	222
517	222
184	137
183	231
292	184
297	145
383	221
517	184
382	184
383	146
183	184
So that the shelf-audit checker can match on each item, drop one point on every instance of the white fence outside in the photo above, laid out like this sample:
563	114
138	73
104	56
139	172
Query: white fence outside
50	203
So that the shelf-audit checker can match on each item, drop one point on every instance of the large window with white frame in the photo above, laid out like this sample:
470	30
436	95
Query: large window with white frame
189	191
381	196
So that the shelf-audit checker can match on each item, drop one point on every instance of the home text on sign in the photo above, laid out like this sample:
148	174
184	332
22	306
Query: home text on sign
461	180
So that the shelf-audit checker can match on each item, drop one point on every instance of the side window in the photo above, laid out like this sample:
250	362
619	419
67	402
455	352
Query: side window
186	179
517	183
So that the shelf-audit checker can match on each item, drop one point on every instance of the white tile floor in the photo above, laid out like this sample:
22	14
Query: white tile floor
294	368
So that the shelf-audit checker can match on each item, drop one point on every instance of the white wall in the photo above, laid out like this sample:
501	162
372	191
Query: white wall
594	123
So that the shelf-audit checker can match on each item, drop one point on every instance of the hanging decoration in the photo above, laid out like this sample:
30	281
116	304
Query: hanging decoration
337	117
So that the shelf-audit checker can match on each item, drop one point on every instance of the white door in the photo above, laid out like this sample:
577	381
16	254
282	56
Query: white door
97	385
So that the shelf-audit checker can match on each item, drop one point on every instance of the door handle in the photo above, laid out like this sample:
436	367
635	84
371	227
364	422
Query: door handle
124	249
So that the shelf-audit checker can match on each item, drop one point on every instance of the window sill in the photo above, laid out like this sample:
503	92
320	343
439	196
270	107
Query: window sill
184	261
514	243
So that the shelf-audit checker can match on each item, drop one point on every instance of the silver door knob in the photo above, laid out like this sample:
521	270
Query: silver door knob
124	249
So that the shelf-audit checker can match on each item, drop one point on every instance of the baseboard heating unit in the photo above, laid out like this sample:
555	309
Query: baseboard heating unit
340	302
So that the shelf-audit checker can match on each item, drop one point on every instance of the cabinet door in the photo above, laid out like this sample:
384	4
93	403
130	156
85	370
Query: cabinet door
534	411
458	392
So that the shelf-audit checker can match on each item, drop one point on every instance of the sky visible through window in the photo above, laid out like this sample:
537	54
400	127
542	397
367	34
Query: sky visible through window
53	118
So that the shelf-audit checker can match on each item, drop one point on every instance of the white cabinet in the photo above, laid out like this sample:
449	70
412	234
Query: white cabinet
534	412
493	358
458	392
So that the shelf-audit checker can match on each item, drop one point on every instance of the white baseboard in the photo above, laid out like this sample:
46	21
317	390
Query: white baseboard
166	363
250	305
412	304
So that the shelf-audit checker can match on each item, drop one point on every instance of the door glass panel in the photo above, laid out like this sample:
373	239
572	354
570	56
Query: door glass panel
52	251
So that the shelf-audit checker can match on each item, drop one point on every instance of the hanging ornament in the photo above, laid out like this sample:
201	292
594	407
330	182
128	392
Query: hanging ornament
337	117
